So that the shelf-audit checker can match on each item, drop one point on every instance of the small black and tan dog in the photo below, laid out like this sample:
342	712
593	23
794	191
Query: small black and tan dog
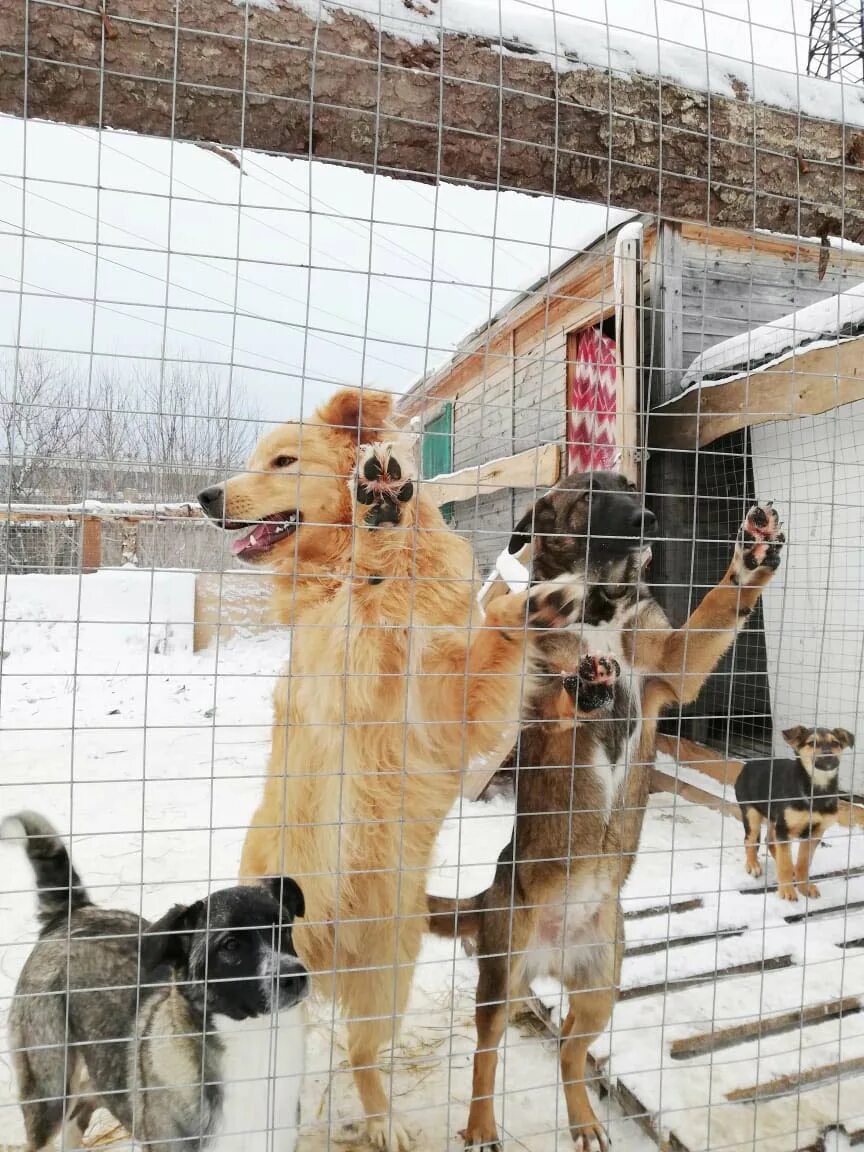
798	801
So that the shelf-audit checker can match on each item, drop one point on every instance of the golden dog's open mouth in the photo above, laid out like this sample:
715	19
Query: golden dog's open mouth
262	535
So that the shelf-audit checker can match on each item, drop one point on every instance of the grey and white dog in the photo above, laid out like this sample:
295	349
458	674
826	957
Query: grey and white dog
175	1027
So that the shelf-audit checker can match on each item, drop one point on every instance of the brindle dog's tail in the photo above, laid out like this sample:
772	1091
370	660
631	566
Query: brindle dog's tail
455	918
59	886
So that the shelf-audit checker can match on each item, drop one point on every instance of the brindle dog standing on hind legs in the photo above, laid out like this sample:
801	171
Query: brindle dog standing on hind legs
583	772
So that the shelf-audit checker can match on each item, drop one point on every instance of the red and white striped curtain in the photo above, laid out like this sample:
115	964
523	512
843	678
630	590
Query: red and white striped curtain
591	401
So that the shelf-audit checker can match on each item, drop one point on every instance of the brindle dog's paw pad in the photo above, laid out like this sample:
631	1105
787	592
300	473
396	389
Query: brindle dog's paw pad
381	484
552	606
593	685
760	539
599	669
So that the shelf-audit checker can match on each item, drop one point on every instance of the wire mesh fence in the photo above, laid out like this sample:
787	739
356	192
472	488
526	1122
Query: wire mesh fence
432	575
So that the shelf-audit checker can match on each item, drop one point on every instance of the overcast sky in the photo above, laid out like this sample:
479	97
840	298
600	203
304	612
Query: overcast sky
294	277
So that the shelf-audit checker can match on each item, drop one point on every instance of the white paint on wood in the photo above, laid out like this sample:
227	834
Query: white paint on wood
534	468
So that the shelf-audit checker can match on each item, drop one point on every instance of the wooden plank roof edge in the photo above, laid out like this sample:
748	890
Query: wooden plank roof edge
561	282
523	306
758	241
805	382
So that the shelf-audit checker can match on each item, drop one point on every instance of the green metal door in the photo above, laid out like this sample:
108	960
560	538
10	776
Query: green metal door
437	450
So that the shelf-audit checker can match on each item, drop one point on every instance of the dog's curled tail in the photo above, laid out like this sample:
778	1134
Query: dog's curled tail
454	918
59	886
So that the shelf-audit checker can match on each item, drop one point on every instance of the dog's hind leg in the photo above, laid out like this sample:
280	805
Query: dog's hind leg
490	1016
588	1016
48	1100
79	1108
752	840
592	984
373	1002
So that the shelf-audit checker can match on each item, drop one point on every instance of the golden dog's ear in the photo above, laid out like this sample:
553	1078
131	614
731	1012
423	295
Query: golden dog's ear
362	414
797	736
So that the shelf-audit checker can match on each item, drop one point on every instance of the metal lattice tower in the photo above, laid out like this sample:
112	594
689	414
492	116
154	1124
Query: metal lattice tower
836	49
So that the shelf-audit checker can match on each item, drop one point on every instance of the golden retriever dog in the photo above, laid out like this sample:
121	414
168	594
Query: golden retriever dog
397	682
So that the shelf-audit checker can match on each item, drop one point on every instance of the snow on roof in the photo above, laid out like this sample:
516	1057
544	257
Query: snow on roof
569	41
824	324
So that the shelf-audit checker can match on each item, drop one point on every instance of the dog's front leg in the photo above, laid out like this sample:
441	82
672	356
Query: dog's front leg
474	680
683	659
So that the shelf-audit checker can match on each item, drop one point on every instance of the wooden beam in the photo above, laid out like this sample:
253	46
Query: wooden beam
710	976
96	510
445	105
713	764
663	782
797	1081
91	544
702	759
805	383
533	468
705	1042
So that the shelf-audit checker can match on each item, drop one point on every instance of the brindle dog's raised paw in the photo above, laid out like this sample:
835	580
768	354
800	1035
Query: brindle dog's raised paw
593	685
553	606
381	485
760	541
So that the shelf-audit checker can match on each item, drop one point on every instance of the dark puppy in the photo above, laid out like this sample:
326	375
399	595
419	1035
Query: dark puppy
553	908
155	1022
798	801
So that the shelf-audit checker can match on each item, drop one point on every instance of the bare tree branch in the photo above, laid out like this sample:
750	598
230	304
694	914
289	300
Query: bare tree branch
154	438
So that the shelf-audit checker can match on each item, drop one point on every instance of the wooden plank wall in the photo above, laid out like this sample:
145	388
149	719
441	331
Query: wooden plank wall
731	287
519	404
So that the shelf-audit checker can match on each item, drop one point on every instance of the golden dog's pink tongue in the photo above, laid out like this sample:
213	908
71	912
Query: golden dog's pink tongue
261	537
258	537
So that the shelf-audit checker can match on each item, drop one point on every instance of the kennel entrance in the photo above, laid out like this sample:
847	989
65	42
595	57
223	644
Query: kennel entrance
733	713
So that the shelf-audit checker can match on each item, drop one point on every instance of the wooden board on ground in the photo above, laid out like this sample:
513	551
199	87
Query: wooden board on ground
765	1047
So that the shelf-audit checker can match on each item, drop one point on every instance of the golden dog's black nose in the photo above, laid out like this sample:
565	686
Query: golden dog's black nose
212	500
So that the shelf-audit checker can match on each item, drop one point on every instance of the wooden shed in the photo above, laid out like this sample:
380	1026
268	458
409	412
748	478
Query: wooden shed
509	405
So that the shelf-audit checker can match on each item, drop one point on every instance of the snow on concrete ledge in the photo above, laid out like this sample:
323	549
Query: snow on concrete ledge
569	41
821	325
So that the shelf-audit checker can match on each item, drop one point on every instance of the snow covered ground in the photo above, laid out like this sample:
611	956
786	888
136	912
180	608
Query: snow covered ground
153	755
